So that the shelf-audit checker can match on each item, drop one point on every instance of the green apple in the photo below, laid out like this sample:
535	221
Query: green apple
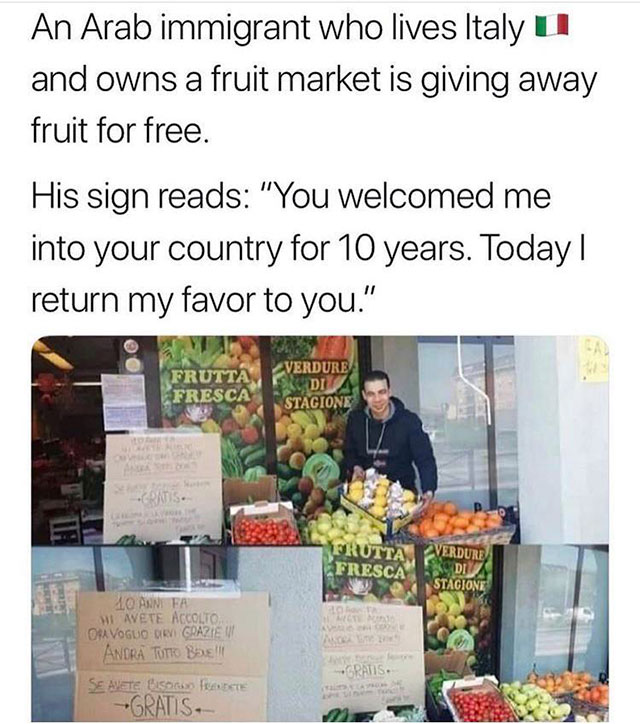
516	684
361	540
532	704
324	527
522	711
520	698
348	537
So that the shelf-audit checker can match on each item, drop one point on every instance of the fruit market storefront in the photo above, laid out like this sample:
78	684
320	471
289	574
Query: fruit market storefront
279	405
520	632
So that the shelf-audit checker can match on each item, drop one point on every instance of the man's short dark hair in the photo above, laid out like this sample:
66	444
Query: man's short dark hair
376	376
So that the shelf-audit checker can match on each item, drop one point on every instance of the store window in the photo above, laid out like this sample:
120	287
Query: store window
592	613
558	565
57	576
477	463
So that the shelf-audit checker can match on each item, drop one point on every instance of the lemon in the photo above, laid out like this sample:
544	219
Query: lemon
356	485
356	495
377	511
408	496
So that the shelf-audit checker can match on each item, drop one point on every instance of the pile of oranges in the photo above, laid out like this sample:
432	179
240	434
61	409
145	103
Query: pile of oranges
598	695
445	519
578	683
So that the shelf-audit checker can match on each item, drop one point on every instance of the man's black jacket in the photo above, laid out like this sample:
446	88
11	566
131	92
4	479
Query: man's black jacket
394	444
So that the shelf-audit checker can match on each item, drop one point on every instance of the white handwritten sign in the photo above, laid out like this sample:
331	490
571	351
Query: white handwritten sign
372	656
163	486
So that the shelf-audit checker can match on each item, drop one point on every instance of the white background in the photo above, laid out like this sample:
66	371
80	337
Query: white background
584	150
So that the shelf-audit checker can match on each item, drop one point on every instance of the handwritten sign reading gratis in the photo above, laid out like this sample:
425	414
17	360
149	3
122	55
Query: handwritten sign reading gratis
162	487
372	656
159	657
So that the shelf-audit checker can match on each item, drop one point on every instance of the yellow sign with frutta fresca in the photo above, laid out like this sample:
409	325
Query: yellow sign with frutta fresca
593	356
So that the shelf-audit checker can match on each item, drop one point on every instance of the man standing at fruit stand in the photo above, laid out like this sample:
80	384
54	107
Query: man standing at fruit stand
386	436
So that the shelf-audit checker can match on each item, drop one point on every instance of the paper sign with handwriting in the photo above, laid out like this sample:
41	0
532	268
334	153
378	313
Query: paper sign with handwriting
162	487
372	656
171	657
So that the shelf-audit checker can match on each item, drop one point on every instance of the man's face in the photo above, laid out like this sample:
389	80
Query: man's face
377	395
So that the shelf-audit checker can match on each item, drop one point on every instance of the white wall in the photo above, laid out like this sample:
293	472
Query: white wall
563	445
293	578
398	357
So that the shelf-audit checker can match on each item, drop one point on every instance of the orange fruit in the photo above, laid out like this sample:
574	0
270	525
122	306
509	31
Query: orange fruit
440	525
473	529
450	508
493	523
459	531
432	533
468	514
436	507
459	522
448	530
414	529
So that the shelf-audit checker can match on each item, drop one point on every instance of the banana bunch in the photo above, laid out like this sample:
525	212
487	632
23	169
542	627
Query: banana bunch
310	417
452	598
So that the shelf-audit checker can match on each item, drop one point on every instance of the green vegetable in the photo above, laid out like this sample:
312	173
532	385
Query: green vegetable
256	422
284	471
288	491
231	462
251	475
257	457
331	715
297	499
236	438
249	449
321	468
460	640
432	643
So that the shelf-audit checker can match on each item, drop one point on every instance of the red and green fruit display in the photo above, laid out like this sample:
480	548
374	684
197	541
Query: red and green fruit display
481	706
265	532
214	383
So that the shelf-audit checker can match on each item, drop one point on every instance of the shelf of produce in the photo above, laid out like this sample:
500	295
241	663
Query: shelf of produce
497	536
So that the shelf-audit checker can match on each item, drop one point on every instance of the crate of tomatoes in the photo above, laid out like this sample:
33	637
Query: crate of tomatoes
264	524
477	699
446	523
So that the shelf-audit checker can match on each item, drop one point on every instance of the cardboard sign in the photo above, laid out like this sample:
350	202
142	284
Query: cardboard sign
372	656
171	657
162	486
101	696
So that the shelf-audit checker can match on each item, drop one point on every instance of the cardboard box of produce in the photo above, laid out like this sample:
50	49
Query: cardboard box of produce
387	527
263	511
480	684
237	491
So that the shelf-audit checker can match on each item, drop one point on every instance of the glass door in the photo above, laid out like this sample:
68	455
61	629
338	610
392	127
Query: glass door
477	462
